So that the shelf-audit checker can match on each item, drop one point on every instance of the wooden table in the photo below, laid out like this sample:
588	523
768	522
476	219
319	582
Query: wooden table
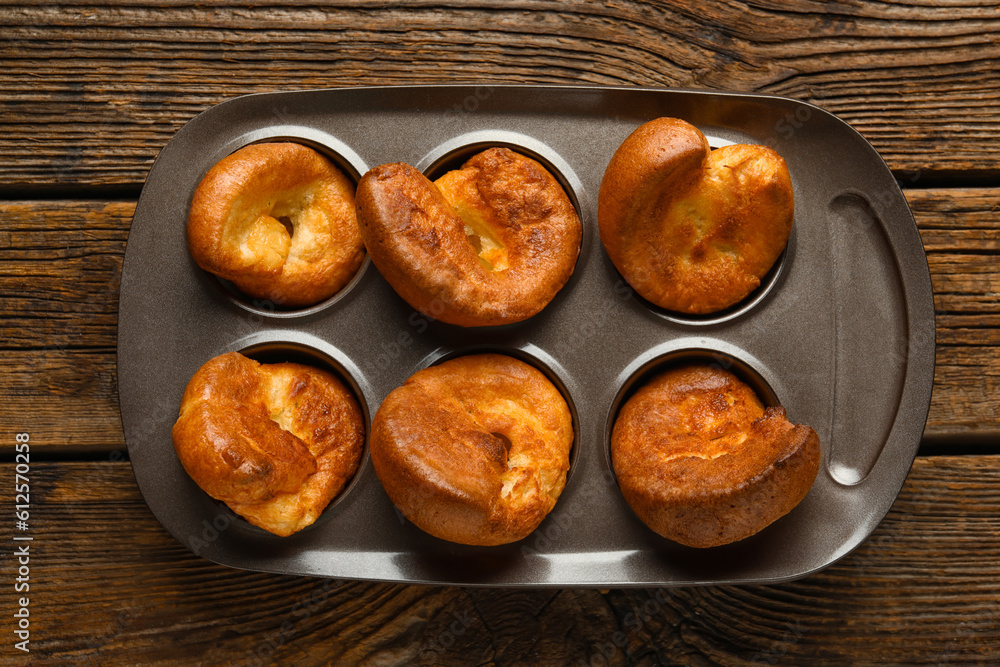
92	92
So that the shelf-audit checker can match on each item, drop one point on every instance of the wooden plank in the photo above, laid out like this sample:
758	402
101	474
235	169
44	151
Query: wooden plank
960	229
108	585
60	267
67	399
60	264
92	92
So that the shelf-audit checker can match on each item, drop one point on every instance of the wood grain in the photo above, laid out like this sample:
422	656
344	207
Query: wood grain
60	267
93	91
960	229
61	264
109	586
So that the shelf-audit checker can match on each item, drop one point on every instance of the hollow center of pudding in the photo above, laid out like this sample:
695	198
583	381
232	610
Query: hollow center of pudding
489	250
287	211
266	230
286	222
460	190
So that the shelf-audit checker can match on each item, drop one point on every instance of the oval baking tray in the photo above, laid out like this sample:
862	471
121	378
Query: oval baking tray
841	333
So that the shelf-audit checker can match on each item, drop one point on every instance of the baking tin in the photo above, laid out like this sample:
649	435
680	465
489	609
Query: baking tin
842	333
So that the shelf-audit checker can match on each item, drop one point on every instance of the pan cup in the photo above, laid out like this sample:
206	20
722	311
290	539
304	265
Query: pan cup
273	348
711	353
452	154
768	282
349	163
535	357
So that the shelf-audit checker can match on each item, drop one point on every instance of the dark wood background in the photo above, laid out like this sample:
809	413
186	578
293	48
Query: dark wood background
91	91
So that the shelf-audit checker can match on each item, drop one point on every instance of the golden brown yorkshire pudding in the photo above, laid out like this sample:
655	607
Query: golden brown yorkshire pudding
474	450
701	461
490	243
275	442
691	229
277	220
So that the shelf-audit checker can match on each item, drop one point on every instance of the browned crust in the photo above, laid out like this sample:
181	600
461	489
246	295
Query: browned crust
691	229
233	230
701	461
436	451
276	442
418	241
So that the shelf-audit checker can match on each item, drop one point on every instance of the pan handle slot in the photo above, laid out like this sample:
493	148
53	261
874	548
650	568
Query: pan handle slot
871	338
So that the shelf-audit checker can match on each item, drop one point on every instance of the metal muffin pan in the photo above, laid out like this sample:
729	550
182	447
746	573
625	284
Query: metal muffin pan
841	333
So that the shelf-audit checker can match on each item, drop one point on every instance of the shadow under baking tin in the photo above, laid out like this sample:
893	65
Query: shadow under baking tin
267	307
